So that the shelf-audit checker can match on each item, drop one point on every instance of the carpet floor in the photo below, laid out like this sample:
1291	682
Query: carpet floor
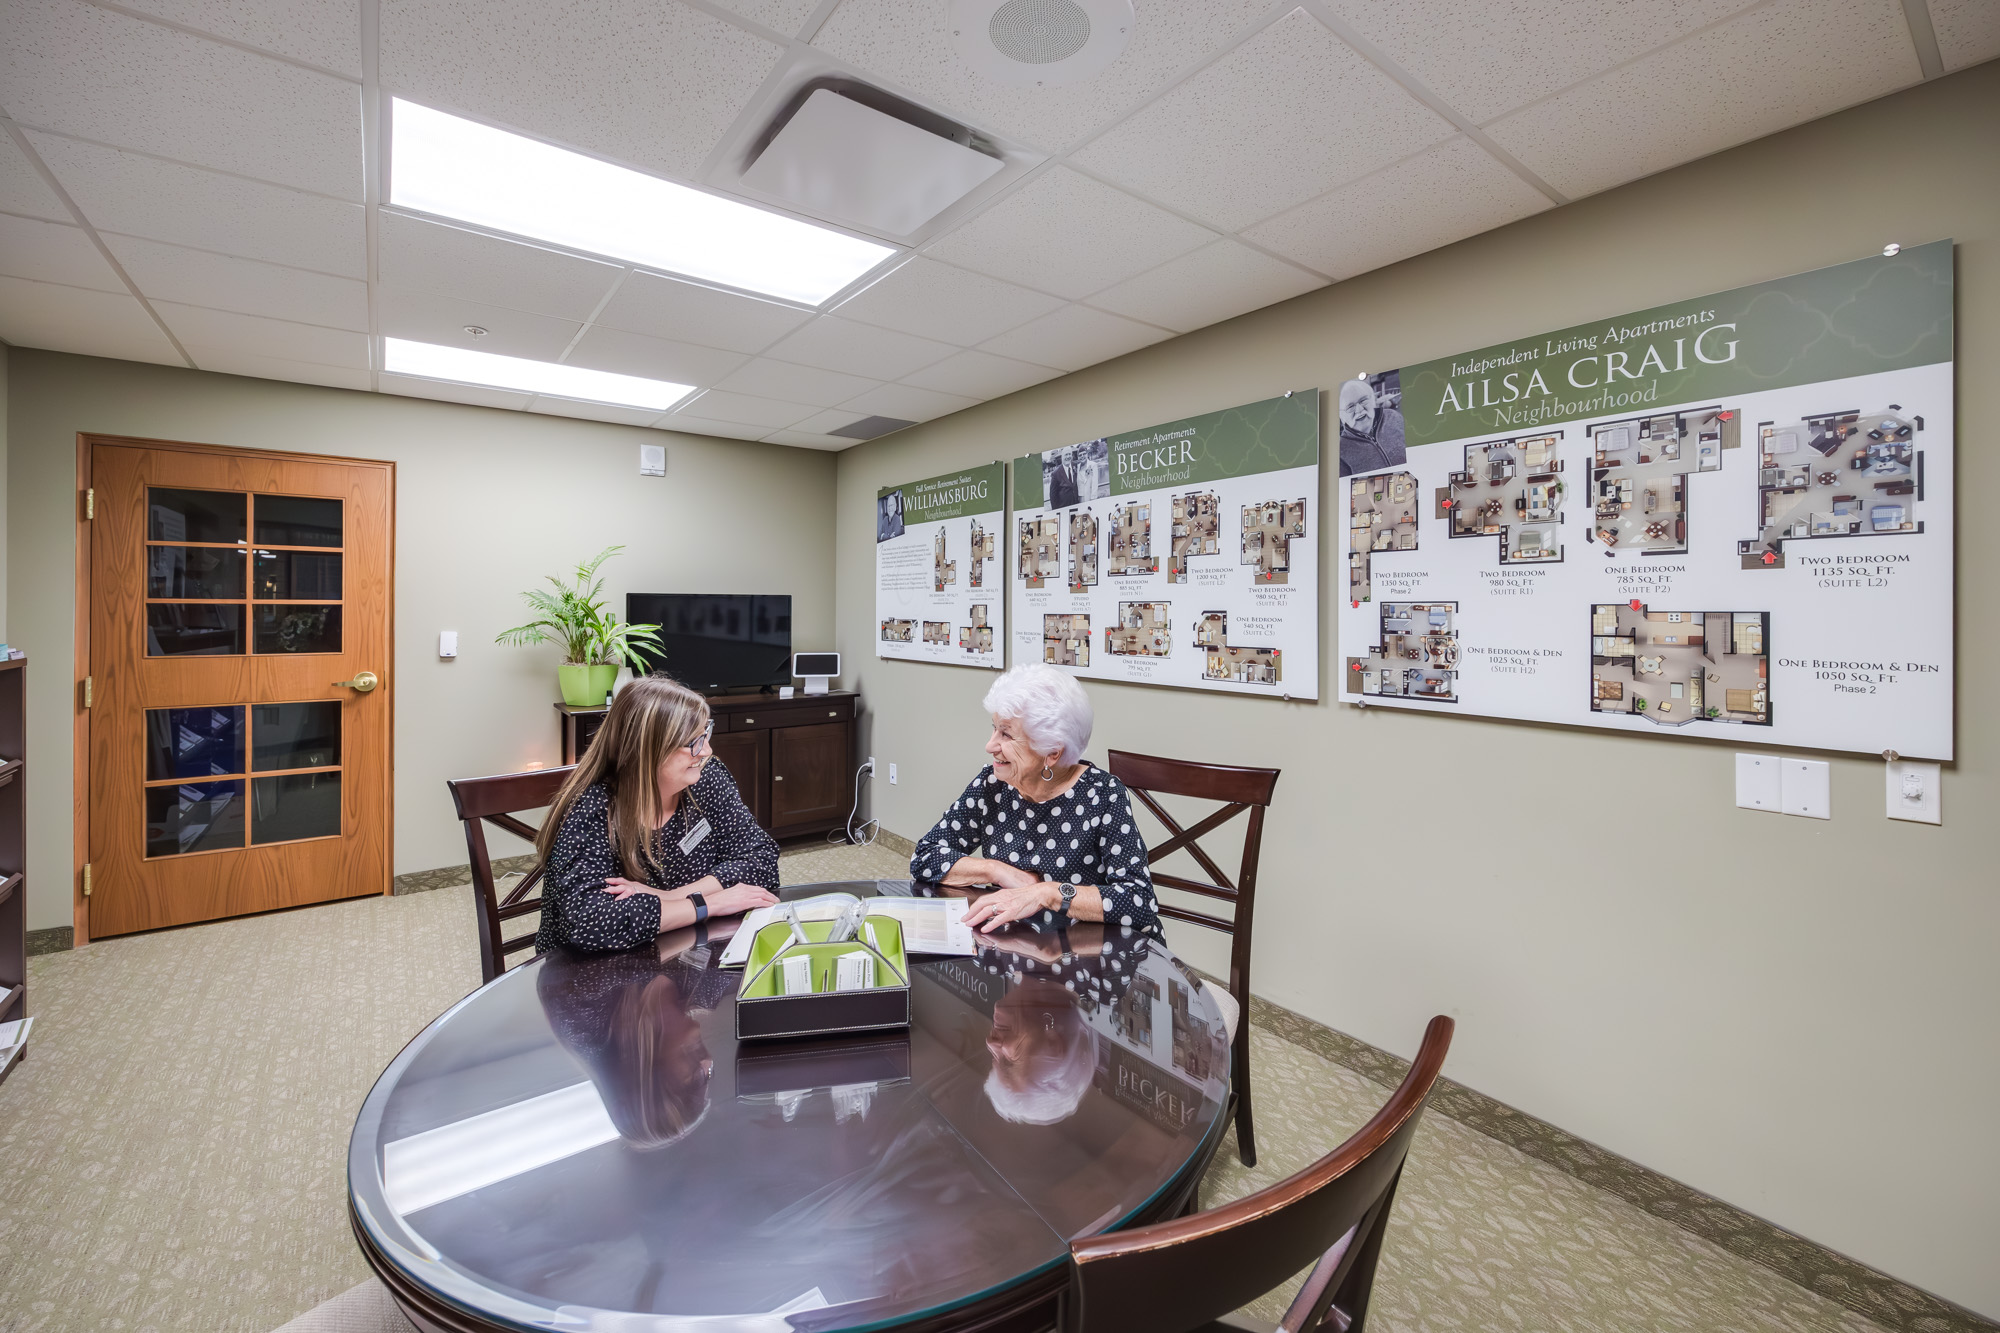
173	1150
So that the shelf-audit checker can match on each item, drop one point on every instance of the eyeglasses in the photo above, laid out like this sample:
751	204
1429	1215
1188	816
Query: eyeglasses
700	743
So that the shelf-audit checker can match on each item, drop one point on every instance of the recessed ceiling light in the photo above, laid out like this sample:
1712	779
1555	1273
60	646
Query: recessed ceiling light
462	365
474	173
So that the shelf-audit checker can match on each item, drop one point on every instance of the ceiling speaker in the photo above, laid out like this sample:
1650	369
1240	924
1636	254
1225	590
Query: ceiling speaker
1040	43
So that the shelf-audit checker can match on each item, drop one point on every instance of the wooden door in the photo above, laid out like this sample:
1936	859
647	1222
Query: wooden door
808	767
239	680
745	755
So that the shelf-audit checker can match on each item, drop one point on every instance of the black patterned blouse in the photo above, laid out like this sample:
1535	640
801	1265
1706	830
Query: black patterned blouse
1084	836
576	911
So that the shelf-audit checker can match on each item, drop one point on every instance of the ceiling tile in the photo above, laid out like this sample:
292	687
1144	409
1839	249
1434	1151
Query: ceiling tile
907	402
428	256
949	304
427	317
1074	337
1289	114
728	430
22	189
281	368
786	16
51	252
1215	283
1779	65
1486	59
81	70
411	387
689	312
193	277
741	408
1442	195
218	335
832	343
164	201
1968	31
326	33
579	411
647	83
980	375
910	44
70	319
821	423
800	439
653	358
794	383
1065	233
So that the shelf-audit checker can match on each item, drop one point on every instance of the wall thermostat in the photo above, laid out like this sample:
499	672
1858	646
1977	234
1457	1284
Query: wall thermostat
815	669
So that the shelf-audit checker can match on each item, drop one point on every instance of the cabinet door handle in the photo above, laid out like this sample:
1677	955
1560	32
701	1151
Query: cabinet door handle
833	712
749	721
779	778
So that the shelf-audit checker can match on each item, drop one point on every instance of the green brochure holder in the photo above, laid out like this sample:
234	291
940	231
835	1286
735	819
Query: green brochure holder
763	1010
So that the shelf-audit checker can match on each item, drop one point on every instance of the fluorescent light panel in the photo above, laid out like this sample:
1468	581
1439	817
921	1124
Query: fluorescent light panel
459	169
461	365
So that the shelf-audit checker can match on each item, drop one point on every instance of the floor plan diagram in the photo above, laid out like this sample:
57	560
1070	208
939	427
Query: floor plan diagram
1511	489
1677	667
1381	516
1197	530
1041	550
983	549
899	631
1841	474
1268	530
1082	550
1224	661
1066	640
1130	540
937	631
943	572
1418	655
1144	629
978	636
1639	473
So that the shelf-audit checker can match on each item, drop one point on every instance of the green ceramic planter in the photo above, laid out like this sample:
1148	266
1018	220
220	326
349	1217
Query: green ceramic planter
584	686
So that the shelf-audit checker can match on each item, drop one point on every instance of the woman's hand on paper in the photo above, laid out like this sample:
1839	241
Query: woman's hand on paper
740	898
1002	905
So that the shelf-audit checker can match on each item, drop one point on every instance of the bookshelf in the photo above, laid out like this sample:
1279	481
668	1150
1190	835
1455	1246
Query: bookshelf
13	846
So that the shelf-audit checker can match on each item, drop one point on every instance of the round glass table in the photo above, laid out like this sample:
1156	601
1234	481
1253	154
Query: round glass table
583	1144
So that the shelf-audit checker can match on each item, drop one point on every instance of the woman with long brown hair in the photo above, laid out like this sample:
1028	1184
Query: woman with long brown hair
647	835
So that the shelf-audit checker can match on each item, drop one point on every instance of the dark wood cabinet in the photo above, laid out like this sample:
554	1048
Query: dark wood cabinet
793	759
13	847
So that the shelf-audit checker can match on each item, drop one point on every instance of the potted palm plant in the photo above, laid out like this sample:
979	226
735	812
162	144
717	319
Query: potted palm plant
594	641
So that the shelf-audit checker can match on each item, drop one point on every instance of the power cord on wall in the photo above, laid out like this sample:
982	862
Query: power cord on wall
865	834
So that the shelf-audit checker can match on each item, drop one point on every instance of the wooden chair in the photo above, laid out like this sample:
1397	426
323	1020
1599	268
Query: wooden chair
496	800
1186	1275
1242	789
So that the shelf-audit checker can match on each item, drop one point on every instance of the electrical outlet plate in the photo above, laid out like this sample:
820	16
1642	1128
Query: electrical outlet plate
1912	791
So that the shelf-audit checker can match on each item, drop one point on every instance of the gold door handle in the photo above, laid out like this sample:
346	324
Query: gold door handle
363	682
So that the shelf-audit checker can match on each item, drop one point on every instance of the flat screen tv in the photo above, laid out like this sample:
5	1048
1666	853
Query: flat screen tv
714	642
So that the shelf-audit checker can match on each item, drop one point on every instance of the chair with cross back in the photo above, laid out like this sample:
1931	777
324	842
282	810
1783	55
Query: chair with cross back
1239	790
498	801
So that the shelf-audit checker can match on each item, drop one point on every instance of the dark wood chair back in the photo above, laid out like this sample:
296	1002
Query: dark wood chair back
1239	790
1186	1274
497	801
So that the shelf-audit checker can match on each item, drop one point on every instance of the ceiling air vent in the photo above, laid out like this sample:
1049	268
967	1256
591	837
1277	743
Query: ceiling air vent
871	428
1040	43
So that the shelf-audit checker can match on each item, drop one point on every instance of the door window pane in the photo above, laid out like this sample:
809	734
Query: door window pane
193	742
298	805
194	516
297	574
194	817
193	571
193	629
297	629
297	520
295	735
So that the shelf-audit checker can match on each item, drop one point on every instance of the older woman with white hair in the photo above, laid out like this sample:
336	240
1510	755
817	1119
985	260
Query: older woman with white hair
1052	833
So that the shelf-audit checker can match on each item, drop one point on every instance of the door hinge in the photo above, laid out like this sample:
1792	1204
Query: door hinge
86	879
88	691
90	503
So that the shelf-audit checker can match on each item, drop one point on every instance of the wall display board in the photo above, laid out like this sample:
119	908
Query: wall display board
941	568
1182	554
1727	517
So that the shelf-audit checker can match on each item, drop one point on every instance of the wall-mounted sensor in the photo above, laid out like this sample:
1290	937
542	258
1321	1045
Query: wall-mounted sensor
1892	249
447	643
652	460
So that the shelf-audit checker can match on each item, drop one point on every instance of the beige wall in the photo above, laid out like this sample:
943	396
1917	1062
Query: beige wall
1758	1015
487	503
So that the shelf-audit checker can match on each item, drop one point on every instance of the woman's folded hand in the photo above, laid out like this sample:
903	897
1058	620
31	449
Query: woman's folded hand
740	898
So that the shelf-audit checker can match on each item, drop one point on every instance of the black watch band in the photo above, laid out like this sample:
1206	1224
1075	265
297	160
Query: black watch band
700	907
1068	897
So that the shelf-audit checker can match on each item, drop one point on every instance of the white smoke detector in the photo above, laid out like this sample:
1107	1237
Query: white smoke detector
1040	43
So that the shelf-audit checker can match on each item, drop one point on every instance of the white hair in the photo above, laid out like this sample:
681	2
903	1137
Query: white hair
1055	1080
1051	709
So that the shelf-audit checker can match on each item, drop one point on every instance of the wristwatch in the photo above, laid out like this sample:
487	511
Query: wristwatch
700	907
1068	896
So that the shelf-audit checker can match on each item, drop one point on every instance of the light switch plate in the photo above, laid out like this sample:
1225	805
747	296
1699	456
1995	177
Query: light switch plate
447	643
1757	782
1912	791
1805	787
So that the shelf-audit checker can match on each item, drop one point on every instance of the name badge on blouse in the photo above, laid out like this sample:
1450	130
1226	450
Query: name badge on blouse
694	837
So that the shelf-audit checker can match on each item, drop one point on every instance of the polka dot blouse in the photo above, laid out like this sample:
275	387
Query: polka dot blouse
575	910
1084	836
